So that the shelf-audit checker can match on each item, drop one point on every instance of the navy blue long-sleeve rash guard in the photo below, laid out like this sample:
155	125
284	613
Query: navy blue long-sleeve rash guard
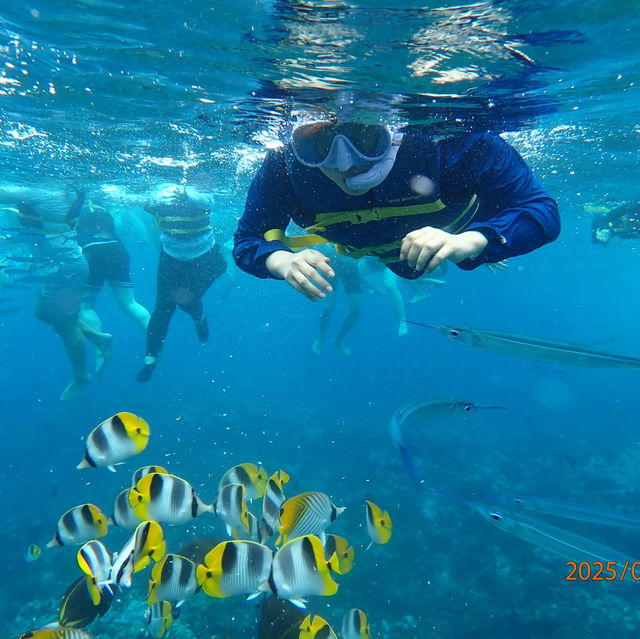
512	209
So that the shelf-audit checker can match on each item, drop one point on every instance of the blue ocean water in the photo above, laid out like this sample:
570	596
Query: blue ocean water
96	92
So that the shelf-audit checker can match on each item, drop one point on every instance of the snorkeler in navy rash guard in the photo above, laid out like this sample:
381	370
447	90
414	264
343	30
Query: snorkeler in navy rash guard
404	196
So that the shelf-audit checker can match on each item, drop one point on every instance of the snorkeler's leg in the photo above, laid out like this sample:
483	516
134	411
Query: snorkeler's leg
89	315
391	287
355	308
102	341
328	304
158	326
198	276
126	300
68	329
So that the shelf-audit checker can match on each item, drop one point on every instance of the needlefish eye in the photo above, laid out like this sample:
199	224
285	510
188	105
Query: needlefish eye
454	333
496	516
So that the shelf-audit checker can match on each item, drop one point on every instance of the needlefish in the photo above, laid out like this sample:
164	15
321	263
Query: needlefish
568	510
534	348
420	411
554	539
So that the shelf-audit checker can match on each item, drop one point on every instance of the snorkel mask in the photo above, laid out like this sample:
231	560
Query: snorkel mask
357	157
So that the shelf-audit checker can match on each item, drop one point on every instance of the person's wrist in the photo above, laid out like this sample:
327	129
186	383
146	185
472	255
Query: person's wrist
278	262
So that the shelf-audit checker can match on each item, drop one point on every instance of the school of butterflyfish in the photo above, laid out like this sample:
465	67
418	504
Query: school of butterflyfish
282	549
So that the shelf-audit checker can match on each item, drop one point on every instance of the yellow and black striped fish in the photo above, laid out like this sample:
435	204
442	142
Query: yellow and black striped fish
252	477
78	525
235	568
121	436
344	553
95	562
231	507
166	499
379	524
123	515
253	534
306	514
355	625
315	627
147	543
55	633
159	618
76	608
299	569
273	499
172	579
33	553
143	471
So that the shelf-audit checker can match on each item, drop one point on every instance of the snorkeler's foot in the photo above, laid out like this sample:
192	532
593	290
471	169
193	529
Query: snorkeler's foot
418	297
343	349
202	328
403	329
147	370
316	349
73	390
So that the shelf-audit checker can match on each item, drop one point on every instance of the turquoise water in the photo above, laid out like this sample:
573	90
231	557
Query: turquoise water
93	92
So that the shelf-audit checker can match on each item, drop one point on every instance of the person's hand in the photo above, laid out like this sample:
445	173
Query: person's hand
426	248
171	195
603	235
113	193
304	271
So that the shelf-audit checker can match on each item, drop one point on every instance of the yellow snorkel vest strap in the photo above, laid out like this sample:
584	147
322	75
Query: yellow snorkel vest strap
295	242
323	220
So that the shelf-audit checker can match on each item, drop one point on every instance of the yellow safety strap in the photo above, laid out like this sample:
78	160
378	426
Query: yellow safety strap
295	242
299	242
179	218
363	216
201	229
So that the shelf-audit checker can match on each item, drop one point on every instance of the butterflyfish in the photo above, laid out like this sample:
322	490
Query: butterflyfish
306	514
379	524
315	627
55	633
231	507
271	502
159	618
114	440
252	477
253	534
76	608
146	470
95	562
123	515
343	552
235	568
147	543
166	499
172	579
78	525
355	625
300	569
33	553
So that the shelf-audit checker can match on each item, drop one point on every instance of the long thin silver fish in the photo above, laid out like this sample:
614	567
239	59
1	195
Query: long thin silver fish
420	411
552	538
557	540
568	510
534	348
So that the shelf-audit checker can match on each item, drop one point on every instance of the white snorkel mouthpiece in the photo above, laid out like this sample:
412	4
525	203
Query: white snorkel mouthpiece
378	171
